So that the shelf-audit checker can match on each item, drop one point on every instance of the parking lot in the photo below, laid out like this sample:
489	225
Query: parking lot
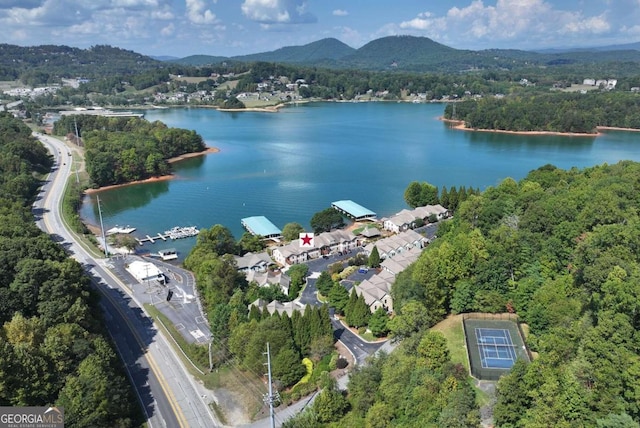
183	309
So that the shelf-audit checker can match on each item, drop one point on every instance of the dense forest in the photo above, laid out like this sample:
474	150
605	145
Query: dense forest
53	346
559	248
553	112
121	150
37	65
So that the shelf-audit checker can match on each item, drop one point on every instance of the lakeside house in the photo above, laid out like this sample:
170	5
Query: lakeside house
325	243
397	252
406	219
393	245
265	279
255	266
377	291
258	262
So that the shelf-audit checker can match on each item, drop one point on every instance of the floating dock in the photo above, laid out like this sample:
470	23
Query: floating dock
261	226
173	233
353	210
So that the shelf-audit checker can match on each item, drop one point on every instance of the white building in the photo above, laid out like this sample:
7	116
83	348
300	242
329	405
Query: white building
405	219
145	271
324	243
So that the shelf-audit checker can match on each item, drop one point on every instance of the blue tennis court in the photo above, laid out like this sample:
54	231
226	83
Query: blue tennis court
496	348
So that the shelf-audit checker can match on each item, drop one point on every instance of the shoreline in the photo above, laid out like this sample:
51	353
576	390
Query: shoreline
265	109
207	151
460	125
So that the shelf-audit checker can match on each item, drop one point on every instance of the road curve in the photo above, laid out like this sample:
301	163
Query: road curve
166	391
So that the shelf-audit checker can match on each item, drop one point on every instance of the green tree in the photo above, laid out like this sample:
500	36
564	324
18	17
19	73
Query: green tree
288	367
374	258
291	231
413	194
251	243
330	405
513	399
411	318
218	239
338	297
297	274
324	283
378	322
326	220
357	314
433	351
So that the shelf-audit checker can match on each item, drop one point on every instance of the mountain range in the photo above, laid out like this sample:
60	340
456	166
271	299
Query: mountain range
411	53
393	53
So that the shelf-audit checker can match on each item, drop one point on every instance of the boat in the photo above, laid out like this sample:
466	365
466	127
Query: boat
168	254
119	229
179	232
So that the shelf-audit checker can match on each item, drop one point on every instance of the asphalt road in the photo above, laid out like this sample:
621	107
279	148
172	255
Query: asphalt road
166	391
183	309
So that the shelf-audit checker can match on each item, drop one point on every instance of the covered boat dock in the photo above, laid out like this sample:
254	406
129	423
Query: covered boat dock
354	210
261	226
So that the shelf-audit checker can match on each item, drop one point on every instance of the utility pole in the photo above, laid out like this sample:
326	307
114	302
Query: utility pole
104	239
270	398
210	357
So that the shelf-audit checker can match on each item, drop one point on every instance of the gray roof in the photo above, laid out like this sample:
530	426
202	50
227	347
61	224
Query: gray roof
260	225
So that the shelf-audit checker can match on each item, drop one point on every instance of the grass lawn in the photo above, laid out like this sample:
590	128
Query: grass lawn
451	327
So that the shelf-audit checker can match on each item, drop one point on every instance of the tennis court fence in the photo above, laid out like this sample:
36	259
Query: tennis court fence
509	321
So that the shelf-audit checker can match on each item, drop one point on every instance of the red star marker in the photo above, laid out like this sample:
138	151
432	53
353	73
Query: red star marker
306	239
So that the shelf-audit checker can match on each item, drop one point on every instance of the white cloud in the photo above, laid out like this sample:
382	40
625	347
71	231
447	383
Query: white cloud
522	22
277	11
163	14
168	30
198	13
340	12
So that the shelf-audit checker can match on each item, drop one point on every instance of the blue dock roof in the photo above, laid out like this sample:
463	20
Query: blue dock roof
260	225
354	210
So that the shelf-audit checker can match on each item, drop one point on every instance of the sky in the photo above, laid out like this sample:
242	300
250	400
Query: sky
181	28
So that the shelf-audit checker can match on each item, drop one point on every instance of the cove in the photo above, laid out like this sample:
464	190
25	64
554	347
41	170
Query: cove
291	164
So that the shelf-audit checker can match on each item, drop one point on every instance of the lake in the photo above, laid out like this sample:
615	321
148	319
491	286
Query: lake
291	164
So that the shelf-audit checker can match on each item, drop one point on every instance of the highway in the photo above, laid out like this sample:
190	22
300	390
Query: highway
168	394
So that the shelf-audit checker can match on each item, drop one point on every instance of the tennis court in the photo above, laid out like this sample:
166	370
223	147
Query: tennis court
496	348
494	343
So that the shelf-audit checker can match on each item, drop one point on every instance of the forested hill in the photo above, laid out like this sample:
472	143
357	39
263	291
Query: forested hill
325	49
550	112
121	150
53	346
65	61
418	54
561	249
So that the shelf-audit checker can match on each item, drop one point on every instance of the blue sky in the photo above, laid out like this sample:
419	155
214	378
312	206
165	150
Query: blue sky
236	27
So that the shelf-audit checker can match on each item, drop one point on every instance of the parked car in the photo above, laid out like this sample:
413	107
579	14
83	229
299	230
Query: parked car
363	269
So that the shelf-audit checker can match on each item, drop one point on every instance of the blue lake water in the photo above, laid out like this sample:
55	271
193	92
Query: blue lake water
289	165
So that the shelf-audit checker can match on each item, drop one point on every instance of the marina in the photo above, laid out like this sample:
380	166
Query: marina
176	232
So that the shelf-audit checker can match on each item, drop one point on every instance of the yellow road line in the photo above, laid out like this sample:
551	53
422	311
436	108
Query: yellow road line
152	364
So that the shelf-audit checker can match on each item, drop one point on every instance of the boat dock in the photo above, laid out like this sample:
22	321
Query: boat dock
173	233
